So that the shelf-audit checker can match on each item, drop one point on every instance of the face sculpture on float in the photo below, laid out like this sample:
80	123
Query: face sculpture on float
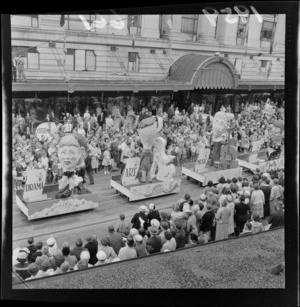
220	123
70	155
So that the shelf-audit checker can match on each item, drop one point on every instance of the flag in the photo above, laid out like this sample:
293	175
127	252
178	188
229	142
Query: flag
170	22
62	20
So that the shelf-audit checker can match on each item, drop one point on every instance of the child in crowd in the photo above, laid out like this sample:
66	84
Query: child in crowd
106	160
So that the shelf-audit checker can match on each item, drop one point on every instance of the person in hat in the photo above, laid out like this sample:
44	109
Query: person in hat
276	195
102	258
45	269
84	261
32	248
33	270
277	218
109	251
123	224
45	255
58	260
257	201
153	214
128	251
21	267
115	239
51	242
231	206
140	218
153	244
140	246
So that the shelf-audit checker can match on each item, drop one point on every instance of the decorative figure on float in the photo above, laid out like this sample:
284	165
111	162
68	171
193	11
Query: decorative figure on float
166	171
148	130
220	123
71	155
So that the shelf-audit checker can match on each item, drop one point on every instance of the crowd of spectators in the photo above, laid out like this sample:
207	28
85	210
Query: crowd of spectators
111	131
231	208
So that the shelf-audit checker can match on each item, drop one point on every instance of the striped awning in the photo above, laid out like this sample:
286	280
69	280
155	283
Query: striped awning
204	72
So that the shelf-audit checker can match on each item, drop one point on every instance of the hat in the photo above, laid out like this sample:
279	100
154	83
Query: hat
187	210
151	206
153	230
247	193
155	223
229	198
195	208
101	255
85	255
46	263
51	241
22	255
138	238
133	232
125	233
203	197
143	208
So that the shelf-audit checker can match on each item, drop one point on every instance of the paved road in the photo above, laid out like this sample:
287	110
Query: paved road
71	226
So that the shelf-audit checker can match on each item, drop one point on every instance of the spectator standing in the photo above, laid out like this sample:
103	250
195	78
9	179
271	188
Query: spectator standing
33	270
14	70
51	242
32	248
275	196
88	167
207	221
153	214
115	239
257	201
140	246
277	218
38	252
45	255
266	188
76	251
108	250
122	224
139	219
170	244
231	206
102	258
153	244
92	247
179	234
242	210
20	68
128	251
222	219
45	269
72	260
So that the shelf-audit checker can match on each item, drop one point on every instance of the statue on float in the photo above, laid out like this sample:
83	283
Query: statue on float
223	150
71	154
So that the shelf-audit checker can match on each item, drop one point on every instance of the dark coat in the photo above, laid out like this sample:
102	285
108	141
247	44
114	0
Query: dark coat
136	221
88	163
92	247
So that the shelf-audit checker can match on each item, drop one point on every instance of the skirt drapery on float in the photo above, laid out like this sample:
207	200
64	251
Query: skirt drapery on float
158	173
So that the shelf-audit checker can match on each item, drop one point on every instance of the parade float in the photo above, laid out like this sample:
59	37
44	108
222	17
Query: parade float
259	161
38	200
222	161
153	174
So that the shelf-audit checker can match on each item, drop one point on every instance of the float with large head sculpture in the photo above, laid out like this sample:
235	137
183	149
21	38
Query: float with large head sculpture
153	173
218	159
39	200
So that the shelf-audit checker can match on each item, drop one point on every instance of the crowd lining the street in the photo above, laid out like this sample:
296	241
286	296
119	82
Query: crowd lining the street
231	208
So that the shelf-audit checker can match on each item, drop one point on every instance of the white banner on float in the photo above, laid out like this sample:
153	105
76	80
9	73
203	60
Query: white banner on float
255	150
34	185
271	165
130	171
201	161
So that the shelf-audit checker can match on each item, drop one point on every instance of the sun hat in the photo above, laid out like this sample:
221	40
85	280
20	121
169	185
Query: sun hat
22	255
155	223
51	242
85	255
133	232
138	238
203	197
153	230
247	193
143	208
151	206
101	255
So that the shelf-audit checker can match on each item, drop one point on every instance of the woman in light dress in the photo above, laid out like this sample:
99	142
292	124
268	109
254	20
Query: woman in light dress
106	160
222	219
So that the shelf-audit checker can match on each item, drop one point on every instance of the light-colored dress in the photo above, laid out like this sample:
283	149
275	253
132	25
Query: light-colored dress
257	202
275	196
231	219
106	158
222	219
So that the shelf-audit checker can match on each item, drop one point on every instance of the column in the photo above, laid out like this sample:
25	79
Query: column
254	32
279	38
205	31
226	32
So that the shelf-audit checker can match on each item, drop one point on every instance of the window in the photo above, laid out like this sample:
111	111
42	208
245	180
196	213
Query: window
90	60
189	24
70	59
133	62
134	24
34	21
242	32
267	30
165	24
81	60
263	63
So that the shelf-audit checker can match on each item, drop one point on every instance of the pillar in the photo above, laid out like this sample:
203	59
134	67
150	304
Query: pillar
206	31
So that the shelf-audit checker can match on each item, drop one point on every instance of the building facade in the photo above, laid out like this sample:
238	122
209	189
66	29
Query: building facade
136	53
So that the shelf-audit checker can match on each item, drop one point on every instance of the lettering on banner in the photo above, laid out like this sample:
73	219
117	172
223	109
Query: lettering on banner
201	161
129	175
243	12
35	182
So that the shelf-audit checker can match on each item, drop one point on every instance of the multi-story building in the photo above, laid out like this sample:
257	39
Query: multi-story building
135	54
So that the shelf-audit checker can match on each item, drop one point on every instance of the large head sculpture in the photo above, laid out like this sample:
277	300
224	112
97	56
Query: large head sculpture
220	123
70	152
148	130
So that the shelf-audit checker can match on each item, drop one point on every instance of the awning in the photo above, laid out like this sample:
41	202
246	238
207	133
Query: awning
204	72
251	85
98	85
